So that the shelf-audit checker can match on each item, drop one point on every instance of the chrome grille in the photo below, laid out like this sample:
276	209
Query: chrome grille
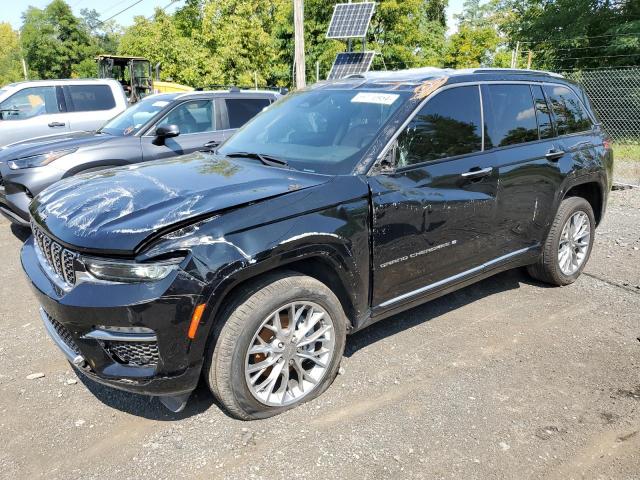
64	334
58	259
138	354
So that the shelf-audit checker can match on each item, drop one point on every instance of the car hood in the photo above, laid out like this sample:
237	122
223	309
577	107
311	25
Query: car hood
51	143
115	210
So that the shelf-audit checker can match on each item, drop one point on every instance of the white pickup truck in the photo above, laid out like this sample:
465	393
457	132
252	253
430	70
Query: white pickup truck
51	107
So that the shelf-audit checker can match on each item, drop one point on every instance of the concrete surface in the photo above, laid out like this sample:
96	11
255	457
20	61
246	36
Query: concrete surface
504	379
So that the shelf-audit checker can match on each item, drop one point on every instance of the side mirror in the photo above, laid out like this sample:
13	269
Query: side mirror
387	164
167	131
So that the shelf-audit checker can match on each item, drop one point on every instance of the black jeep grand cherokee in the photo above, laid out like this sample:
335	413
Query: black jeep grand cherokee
336	207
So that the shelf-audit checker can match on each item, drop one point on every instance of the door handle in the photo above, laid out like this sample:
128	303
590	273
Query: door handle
211	145
477	172
554	155
56	124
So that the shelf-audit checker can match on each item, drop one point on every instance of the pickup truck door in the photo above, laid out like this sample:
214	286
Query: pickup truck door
89	106
33	112
433	216
196	120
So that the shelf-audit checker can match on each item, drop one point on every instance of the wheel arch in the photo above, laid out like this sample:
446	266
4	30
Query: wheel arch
592	191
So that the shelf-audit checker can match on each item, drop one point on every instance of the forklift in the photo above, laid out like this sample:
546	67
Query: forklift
134	73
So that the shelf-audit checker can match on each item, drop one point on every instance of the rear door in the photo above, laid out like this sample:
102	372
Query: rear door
90	105
578	138
32	112
196	120
433	217
520	141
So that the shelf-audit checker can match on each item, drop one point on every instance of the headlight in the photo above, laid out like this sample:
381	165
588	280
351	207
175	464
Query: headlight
130	272
38	160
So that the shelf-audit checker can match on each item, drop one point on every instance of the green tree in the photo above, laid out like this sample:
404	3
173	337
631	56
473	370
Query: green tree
54	41
182	59
568	34
10	58
478	41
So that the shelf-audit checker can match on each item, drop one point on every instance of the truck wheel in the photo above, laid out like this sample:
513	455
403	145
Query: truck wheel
568	245
280	346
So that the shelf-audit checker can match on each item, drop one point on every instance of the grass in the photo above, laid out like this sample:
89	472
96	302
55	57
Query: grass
626	152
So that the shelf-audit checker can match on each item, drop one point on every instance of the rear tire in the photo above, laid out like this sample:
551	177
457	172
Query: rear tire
234	374
568	246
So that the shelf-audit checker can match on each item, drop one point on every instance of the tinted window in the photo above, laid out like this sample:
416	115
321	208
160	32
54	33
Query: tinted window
87	98
542	112
510	117
448	125
191	117
569	113
241	110
29	103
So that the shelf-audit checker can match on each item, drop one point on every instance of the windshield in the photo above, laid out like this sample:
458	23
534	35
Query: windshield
323	131
134	118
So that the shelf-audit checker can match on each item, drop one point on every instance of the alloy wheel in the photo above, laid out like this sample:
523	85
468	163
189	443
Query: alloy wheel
290	353
574	243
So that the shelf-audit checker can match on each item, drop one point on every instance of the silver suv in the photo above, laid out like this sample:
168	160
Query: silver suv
50	107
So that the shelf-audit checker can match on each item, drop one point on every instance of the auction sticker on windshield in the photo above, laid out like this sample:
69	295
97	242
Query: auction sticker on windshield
373	97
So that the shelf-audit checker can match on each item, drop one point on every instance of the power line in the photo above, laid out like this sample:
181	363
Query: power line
113	7
588	38
121	11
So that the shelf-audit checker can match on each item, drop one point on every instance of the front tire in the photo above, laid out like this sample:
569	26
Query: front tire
280	346
568	246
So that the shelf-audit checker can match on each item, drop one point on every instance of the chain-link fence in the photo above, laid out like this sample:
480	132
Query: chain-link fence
615	95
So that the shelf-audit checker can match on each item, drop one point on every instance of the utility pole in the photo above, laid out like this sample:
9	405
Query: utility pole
514	56
529	60
299	61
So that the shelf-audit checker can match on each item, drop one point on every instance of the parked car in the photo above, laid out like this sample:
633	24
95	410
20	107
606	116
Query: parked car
160	126
49	107
339	206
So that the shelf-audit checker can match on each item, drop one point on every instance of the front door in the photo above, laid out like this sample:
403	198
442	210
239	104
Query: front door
433	217
196	121
32	112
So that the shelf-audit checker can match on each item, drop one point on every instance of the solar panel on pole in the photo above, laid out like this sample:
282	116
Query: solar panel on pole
350	63
351	20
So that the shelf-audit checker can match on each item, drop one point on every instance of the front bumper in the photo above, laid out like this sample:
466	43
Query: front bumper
18	187
159	364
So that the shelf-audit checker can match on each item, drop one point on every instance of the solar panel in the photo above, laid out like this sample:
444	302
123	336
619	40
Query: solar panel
350	20
350	63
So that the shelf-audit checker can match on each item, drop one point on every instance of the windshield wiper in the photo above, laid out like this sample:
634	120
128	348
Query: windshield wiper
265	159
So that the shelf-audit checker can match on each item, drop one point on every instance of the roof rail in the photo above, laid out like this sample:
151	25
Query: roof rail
237	88
517	71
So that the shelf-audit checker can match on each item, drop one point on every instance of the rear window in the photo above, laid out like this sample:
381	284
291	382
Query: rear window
87	98
568	111
510	116
241	110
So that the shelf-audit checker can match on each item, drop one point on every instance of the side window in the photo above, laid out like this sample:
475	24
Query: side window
509	115
542	112
448	125
569	113
241	110
191	117
89	98
30	102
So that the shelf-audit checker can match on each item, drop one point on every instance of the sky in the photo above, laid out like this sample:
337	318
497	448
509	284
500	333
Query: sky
12	9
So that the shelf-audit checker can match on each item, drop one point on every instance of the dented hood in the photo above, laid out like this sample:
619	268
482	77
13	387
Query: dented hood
115	210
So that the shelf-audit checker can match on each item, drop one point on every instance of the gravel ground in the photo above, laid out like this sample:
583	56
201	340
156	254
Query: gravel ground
504	379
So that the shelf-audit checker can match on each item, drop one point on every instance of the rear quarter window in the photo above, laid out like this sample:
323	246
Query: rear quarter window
87	98
569	113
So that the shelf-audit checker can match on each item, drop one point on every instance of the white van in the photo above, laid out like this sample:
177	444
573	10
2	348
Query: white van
49	107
